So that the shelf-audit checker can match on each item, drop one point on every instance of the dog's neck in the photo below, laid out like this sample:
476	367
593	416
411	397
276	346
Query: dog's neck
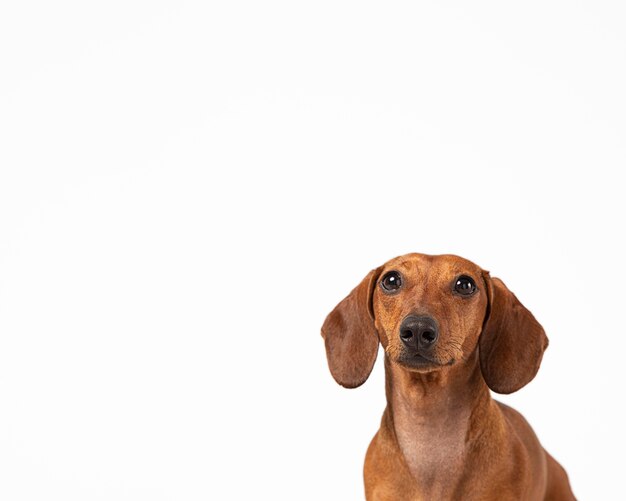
434	415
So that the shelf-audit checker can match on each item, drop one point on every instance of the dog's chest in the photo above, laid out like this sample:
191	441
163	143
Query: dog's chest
433	448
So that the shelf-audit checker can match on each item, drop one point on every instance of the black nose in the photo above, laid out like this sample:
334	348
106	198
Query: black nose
419	332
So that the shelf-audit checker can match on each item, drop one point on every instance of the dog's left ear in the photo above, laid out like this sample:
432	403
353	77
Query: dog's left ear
350	336
512	342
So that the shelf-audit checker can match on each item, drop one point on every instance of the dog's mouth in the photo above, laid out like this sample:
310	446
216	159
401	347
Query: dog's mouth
419	361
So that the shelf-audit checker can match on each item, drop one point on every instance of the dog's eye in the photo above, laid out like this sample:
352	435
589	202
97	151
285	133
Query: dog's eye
391	282
465	286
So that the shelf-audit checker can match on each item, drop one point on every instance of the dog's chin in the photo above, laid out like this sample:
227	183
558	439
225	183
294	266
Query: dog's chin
419	363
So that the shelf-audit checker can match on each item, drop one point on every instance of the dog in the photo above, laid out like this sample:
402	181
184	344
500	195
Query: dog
450	332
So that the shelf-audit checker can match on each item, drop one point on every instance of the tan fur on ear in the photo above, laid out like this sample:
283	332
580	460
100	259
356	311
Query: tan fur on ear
512	342
350	336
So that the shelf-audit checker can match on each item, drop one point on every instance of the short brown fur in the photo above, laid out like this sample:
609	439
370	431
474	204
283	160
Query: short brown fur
442	436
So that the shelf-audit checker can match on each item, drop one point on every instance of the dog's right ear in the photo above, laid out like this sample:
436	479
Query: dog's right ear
350	336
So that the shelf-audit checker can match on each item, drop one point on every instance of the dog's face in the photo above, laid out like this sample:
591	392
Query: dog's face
429	310
432	312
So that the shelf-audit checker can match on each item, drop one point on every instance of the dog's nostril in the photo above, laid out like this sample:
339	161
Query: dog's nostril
406	334
429	336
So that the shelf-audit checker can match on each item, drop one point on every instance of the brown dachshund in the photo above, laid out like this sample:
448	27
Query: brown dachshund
450	332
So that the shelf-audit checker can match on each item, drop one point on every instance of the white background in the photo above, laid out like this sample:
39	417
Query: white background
188	188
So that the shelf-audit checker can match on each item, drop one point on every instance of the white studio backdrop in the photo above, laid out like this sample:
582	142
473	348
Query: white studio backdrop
188	188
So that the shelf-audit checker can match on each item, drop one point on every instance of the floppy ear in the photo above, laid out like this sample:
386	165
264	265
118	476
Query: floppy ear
512	342
350	336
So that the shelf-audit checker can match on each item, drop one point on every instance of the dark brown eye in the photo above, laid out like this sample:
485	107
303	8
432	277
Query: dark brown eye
391	282
465	286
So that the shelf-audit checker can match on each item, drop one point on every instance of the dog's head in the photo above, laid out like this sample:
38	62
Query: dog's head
429	313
